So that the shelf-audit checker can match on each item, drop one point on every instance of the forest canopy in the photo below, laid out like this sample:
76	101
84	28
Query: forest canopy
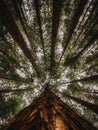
49	44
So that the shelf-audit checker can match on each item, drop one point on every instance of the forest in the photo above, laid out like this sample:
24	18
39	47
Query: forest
49	44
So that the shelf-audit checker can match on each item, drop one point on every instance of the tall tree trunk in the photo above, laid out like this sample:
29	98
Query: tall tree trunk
95	22
11	26
89	44
16	79
57	5
87	69
85	13
84	24
36	4
16	7
90	91
93	58
5	77
15	90
74	24
22	14
90	106
85	79
9	44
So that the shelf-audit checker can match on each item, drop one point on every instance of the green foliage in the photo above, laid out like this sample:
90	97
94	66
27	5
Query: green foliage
72	62
75	89
18	71
10	102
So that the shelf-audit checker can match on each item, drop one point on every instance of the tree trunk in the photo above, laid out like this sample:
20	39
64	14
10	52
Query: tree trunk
90	91
15	90
87	69
85	13
85	79
57	5
74	23
89	44
90	106
16	7
15	33
22	14
36	4
9	44
84	25
95	22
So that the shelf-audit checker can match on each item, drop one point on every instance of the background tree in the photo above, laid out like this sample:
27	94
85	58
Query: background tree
50	44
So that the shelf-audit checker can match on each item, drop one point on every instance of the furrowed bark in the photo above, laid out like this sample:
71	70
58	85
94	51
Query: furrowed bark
74	24
11	26
42	115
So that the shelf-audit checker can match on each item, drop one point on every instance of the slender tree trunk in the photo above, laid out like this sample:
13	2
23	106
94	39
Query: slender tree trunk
90	91
23	16
57	5
9	44
36	4
85	13
90	106
95	22
22	19
85	79
84	25
87	69
11	26
94	57
15	90
19	79
5	77
89	44
74	23
16	6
